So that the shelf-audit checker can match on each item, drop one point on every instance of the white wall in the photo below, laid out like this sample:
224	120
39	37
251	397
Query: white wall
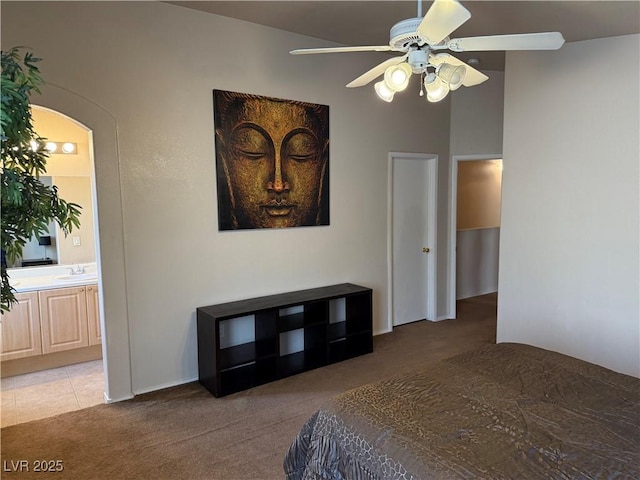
569	252
78	191
151	68
477	261
477	117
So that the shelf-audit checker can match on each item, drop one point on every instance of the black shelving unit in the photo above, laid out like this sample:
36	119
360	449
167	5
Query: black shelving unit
334	323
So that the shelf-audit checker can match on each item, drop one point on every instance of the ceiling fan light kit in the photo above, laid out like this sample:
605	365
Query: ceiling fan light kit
383	91
452	75
436	88
396	77
420	38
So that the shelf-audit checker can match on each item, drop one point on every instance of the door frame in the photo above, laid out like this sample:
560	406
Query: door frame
453	214
432	208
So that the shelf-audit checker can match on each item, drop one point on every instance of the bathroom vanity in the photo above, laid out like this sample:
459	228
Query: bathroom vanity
55	322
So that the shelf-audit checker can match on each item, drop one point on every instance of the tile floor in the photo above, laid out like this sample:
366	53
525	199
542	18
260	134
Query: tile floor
51	392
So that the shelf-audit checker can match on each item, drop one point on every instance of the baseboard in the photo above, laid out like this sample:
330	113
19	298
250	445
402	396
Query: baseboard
115	400
382	332
484	292
165	385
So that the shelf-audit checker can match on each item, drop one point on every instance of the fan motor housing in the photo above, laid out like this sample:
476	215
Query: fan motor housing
404	34
418	59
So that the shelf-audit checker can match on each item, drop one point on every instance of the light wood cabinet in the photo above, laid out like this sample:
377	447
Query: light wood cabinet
20	328
49	321
93	315
63	319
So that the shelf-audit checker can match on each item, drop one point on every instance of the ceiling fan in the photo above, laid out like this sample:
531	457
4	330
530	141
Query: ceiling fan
422	40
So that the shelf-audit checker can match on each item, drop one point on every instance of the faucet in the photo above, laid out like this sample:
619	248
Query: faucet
77	270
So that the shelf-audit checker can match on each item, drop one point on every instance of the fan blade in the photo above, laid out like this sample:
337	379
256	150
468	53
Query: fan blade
524	41
473	76
441	19
307	51
375	72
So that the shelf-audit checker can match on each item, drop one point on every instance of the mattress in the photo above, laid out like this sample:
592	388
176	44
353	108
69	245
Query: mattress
505	411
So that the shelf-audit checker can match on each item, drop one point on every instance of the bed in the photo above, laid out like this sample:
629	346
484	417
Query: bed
505	411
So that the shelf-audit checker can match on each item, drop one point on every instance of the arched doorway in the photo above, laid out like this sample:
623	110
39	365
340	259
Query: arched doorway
110	227
64	369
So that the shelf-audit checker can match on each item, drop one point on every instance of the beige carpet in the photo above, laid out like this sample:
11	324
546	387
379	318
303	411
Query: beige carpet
186	433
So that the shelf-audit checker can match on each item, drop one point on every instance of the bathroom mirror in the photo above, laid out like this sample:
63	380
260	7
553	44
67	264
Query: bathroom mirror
72	173
79	245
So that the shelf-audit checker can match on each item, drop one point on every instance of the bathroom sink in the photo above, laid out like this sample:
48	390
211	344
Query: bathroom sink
77	277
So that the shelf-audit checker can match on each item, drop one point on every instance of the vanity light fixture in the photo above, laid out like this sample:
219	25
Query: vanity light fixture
69	147
62	148
65	148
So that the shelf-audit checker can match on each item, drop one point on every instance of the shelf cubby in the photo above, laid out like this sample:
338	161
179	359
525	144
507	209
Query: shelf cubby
246	376
237	355
292	321
358	344
358	311
338	350
337	331
291	364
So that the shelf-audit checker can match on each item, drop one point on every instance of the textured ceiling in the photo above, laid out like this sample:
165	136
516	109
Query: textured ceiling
368	22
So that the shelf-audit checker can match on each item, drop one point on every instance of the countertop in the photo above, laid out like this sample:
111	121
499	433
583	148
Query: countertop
31	279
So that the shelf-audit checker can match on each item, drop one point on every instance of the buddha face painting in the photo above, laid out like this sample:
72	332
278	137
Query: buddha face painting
272	160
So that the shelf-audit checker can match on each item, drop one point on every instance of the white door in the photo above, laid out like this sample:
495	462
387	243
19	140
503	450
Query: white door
412	232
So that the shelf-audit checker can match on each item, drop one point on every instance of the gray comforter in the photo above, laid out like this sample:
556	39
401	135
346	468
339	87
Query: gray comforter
505	411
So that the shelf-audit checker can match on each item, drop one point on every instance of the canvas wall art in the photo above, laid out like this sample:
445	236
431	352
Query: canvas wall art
272	161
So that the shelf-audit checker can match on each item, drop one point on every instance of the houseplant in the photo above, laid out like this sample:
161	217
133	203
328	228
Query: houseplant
28	206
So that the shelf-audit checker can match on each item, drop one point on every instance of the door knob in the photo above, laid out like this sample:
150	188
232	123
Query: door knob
425	250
